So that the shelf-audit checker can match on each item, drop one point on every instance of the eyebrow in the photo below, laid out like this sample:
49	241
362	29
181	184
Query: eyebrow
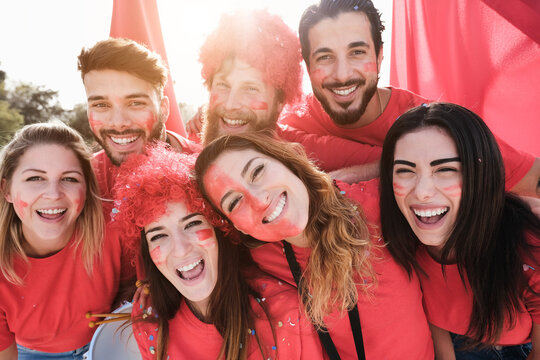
44	172
321	50
404	162
130	96
248	164
443	161
358	44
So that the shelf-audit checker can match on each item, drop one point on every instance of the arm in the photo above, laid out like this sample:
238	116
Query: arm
356	173
529	185
442	343
535	339
194	125
331	152
10	353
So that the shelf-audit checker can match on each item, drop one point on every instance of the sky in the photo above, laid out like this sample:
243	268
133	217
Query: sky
40	40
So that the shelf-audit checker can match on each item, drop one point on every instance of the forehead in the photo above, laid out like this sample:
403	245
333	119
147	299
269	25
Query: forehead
115	83
49	157
338	32
236	70
174	211
427	143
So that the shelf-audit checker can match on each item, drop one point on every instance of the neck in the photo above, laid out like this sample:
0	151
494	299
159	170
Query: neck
199	309
36	247
299	240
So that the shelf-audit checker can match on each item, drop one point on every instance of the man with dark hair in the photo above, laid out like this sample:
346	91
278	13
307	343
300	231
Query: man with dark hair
343	50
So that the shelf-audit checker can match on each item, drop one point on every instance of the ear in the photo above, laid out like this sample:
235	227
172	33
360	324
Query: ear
5	191
380	59
164	108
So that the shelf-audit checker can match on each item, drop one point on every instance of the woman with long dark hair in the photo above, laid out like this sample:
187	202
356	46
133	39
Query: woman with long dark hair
208	298
445	214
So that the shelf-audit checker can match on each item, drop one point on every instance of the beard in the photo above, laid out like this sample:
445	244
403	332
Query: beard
347	116
213	121
155	134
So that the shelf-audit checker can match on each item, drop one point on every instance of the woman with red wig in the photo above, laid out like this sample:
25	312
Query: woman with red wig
209	300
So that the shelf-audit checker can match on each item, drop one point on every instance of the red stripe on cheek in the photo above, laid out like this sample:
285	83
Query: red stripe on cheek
150	121
204	234
370	67
457	188
19	205
259	105
398	187
94	124
156	256
318	76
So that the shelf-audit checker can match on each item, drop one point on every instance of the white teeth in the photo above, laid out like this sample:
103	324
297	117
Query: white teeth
124	141
190	266
51	211
232	122
277	211
430	213
345	91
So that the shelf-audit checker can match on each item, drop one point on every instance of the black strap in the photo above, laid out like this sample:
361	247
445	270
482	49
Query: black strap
324	336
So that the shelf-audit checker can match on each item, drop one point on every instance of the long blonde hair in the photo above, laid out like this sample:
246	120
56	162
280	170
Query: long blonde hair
90	223
337	231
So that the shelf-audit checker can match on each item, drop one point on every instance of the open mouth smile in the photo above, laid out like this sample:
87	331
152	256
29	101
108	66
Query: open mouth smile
277	210
191	271
344	92
430	216
234	123
124	140
51	214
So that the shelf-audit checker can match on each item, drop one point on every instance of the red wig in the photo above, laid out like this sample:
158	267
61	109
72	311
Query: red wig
146	184
263	41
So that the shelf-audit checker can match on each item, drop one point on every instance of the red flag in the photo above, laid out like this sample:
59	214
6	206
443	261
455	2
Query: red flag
139	20
481	54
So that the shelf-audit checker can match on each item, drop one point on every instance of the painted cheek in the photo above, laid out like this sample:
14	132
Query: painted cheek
149	122
258	105
155	254
399	190
369	67
95	125
19	205
454	190
318	76
206	238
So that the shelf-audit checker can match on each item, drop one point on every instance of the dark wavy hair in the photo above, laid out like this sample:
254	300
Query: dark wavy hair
491	224
331	9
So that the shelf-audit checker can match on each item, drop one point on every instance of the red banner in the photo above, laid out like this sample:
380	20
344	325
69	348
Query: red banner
481	54
139	20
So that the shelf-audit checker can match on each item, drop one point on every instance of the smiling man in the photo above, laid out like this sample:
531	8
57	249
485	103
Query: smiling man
251	67
343	50
124	84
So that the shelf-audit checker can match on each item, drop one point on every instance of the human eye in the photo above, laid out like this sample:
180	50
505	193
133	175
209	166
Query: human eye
233	204
137	102
192	224
323	58
220	84
34	178
257	172
356	52
157	237
70	179
403	170
100	105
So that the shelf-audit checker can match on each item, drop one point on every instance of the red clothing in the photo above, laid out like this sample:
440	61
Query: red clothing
310	117
190	338
48	312
393	322
448	302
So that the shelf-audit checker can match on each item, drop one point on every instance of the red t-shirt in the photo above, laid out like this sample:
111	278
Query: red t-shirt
310	117
393	322
48	312
448	302
190	338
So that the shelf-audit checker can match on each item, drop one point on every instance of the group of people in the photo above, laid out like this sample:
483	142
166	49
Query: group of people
357	222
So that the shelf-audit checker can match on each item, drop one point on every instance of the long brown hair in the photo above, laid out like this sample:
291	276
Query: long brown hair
89	227
336	231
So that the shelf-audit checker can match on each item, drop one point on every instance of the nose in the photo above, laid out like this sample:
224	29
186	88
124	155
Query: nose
53	191
259	199
181	245
425	188
342	70
120	119
233	101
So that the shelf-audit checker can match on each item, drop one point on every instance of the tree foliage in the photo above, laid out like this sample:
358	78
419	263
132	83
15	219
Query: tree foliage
35	103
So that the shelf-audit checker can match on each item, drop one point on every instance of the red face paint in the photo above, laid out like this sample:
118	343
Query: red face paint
19	205
94	124
456	188
149	122
318	76
398	187
370	67
258	105
204	234
156	256
248	215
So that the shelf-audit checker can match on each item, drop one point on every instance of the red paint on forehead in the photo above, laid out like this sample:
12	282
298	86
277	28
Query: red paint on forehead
259	105
204	234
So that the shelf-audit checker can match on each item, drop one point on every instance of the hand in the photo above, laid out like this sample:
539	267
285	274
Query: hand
194	125
356	173
141	294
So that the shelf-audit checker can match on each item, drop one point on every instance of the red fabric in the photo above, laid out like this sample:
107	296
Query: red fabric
190	338
309	117
448	302
393	322
48	312
139	20
481	54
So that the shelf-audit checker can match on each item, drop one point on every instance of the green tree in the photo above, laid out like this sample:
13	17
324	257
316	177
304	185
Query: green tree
10	122
35	103
78	120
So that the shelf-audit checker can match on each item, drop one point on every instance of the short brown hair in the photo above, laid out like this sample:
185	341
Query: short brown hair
124	55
